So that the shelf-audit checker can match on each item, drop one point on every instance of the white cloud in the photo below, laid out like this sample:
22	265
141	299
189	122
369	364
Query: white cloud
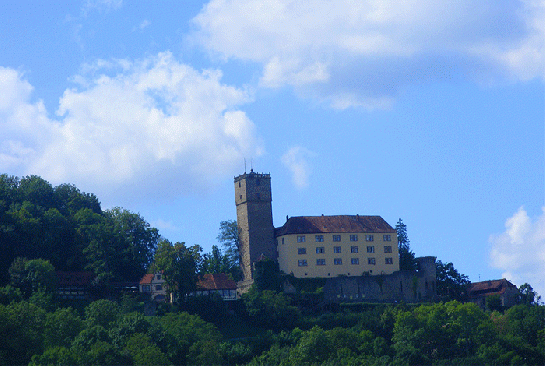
101	5
520	250
360	53
296	160
155	125
164	225
144	24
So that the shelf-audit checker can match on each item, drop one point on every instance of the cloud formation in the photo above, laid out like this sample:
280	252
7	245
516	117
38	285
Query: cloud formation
520	250
129	125
362	53
296	160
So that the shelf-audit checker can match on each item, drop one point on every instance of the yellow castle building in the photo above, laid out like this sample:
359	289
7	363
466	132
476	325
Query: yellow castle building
310	246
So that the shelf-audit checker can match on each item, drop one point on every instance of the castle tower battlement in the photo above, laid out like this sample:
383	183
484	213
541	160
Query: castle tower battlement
253	199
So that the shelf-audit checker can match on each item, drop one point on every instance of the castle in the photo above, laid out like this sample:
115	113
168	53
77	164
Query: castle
357	254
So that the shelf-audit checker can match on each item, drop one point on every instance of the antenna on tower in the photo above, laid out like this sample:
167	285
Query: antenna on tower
244	165
252	164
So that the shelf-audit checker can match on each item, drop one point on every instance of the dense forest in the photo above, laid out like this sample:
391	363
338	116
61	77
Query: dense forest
44	229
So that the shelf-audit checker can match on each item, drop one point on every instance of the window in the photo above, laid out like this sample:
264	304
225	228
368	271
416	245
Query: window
371	261
302	262
336	249
353	238
389	260
158	277
337	261
282	241
319	238
386	238
355	261
257	182
300	238
320	262
320	250
336	238
370	249
369	238
158	287
354	249
387	249
301	250
146	288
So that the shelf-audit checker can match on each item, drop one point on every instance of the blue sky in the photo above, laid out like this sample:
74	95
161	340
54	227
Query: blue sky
432	112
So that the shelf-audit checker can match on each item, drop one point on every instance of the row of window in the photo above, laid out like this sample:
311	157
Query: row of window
147	288
339	261
353	249
337	237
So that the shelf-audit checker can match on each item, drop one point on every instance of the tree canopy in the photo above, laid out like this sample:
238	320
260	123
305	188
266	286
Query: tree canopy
69	229
406	256
451	285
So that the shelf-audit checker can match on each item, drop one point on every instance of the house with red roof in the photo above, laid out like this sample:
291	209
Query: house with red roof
217	283
507	292
74	284
154	285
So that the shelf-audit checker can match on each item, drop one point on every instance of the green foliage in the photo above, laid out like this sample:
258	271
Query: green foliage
61	327
9	294
189	339
217	262
138	242
229	237
30	276
211	308
58	356
179	264
493	303
527	295
235	353
102	313
267	275
143	351
407	259
451	285
270	309
22	329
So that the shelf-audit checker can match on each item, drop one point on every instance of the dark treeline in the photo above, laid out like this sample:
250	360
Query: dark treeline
266	329
70	230
45	228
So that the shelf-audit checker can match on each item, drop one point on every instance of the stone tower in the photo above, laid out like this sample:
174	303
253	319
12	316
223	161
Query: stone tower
253	200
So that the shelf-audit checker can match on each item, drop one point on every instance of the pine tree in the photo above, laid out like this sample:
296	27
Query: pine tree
407	259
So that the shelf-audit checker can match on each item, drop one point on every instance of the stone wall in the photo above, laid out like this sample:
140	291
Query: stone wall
407	286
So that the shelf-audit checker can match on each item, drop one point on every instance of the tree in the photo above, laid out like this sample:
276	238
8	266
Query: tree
102	313
407	259
229	238
217	262
269	309
31	276
61	327
144	352
267	275
180	265
139	242
451	285
527	295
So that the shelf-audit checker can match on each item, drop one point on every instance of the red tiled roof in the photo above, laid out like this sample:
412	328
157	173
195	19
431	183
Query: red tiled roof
490	287
216	281
67	278
146	280
334	224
